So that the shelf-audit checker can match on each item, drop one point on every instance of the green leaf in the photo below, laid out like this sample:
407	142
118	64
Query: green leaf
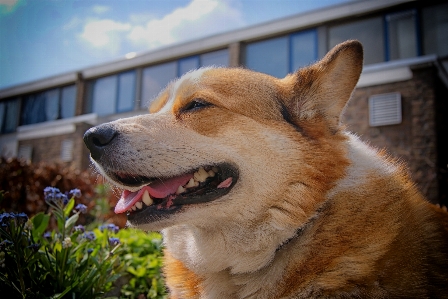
71	222
69	207
40	223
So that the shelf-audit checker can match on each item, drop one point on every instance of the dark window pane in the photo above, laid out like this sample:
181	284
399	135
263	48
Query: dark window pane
269	56
435	30
155	78
2	115
217	58
188	64
51	104
68	101
369	32
33	109
126	88
11	115
402	35
304	49
103	95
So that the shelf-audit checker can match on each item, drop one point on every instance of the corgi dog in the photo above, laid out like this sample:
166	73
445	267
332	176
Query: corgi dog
260	192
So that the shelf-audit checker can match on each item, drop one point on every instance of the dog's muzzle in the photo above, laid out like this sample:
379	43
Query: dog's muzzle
98	138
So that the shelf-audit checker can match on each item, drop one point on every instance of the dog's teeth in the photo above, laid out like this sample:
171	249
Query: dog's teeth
201	175
134	208
147	199
190	183
211	173
180	190
139	205
215	169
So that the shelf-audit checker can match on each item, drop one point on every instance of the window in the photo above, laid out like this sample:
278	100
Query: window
402	37
104	91
49	105
435	30
126	89
216	58
9	112
369	32
303	49
68	101
282	55
269	56
112	94
188	64
157	77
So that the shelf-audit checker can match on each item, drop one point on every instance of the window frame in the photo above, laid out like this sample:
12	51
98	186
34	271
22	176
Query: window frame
417	33
178	73
289	47
59	91
117	91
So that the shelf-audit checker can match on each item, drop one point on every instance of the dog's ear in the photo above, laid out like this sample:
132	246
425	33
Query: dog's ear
324	88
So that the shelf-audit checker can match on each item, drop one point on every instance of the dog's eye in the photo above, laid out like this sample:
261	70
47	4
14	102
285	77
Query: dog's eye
196	104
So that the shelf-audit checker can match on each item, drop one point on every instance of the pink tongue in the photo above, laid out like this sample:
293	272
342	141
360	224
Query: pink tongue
158	189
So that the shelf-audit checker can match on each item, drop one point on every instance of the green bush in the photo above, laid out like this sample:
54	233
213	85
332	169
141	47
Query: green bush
72	262
67	262
141	255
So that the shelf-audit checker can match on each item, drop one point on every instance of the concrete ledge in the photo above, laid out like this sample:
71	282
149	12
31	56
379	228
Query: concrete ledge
392	71
53	128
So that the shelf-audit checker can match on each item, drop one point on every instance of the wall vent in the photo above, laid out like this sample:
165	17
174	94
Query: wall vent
385	109
25	152
67	150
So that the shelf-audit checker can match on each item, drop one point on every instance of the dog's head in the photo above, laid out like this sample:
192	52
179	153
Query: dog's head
224	146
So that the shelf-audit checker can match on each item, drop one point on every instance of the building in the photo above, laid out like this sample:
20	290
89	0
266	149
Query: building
401	101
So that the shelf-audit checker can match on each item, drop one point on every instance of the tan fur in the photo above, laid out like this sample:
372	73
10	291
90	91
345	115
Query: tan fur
315	213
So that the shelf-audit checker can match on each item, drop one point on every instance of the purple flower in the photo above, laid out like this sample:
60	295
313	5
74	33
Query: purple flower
5	243
89	236
64	199
75	193
54	196
79	228
81	208
5	217
89	251
34	247
47	235
111	227
21	218
50	193
114	241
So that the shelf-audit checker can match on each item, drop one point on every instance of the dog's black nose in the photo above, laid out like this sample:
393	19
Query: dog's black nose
98	138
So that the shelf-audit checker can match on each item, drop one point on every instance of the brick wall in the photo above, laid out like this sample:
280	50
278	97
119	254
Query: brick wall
414	141
49	149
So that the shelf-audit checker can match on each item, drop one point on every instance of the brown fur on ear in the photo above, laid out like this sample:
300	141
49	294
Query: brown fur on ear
324	88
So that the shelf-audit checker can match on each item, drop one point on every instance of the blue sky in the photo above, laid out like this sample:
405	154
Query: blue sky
42	38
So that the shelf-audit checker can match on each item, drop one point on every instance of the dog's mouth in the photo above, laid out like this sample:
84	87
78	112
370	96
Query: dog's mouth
160	197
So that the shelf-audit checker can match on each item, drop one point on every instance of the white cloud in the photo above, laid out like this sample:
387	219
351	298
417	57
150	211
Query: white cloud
102	33
199	18
100	9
